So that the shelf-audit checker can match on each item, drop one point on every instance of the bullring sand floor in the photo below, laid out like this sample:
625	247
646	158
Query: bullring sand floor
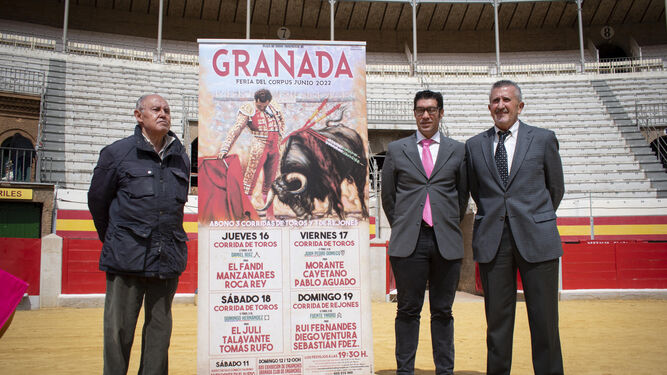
599	337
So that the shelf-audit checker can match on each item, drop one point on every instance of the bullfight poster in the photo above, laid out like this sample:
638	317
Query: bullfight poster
284	269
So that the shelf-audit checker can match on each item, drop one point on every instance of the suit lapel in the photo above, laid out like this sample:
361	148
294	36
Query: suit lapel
487	150
522	145
412	153
444	153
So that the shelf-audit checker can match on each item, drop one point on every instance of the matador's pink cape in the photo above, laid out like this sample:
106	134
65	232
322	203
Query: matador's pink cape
11	292
221	195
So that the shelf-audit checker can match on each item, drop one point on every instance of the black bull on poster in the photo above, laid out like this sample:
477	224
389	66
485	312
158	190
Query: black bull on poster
313	166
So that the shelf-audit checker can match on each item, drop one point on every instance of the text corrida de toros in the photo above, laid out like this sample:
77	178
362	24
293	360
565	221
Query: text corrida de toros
287	63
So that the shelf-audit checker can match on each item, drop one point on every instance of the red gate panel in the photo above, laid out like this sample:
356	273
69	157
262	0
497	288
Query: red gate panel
589	265
188	281
642	265
22	258
81	274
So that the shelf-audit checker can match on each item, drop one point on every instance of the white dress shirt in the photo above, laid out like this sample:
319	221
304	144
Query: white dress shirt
433	147
510	143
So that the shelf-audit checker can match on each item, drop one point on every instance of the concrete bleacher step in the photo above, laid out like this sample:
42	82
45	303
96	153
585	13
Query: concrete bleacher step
604	166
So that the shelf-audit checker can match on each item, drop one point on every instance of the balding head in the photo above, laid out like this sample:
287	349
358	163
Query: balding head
153	115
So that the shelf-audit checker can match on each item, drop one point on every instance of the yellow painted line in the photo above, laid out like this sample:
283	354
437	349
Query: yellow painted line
574	230
76	225
190	226
602	230
564	230
89	226
610	230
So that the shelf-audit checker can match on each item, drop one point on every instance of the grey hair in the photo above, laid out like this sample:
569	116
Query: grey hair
139	106
505	83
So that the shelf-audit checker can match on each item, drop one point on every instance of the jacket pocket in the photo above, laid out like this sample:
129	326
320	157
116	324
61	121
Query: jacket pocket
544	216
181	185
141	182
126	247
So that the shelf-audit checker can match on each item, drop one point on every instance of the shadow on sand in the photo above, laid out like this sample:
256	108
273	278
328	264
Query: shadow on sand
428	372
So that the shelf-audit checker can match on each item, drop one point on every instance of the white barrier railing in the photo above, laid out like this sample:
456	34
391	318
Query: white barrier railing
181	58
388	69
29	41
102	50
389	110
540	69
21	81
651	114
443	70
625	65
191	108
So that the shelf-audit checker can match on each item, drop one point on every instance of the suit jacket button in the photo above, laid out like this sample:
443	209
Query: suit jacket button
502	218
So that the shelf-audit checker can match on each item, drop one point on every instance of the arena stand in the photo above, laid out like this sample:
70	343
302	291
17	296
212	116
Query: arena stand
612	218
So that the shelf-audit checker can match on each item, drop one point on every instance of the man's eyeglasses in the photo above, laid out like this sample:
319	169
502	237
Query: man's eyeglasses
431	110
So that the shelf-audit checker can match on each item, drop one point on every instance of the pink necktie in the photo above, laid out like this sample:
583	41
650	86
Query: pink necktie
427	161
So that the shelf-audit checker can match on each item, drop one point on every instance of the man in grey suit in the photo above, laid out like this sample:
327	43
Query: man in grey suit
516	179
424	195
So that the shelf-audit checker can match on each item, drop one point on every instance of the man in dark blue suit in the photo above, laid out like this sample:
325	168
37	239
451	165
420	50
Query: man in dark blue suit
515	177
424	196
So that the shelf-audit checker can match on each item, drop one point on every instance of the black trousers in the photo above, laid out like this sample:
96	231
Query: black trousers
124	297
540	288
412	273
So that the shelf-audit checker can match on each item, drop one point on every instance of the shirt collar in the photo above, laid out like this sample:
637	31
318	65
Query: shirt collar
168	139
514	129
435	138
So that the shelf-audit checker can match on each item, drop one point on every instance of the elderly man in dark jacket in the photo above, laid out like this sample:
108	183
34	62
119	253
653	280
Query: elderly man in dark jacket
136	198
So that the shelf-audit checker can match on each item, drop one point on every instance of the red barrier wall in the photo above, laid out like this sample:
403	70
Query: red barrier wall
81	274
615	265
188	281
80	267
641	265
610	265
589	265
22	258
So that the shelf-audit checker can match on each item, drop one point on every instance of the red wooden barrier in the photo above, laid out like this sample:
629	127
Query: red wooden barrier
641	265
188	280
81	274
615	265
22	258
589	265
